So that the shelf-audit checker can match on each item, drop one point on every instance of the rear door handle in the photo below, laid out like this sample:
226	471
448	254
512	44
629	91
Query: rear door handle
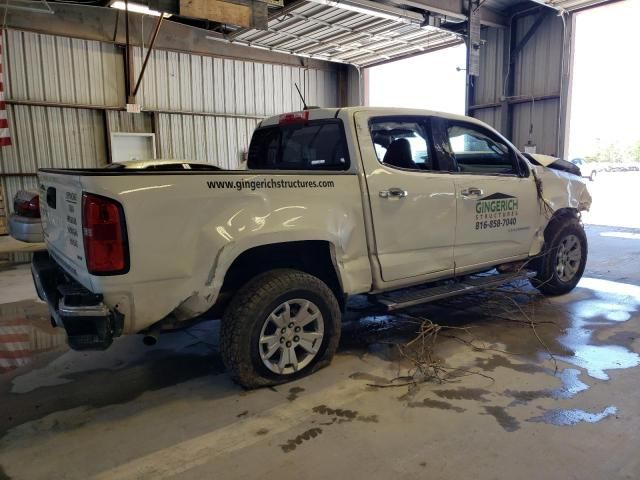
394	192
471	192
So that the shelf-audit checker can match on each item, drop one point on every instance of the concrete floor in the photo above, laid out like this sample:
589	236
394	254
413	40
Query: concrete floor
169	411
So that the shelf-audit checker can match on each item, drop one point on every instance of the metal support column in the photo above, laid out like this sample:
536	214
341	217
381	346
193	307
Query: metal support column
506	111
128	55
566	85
473	52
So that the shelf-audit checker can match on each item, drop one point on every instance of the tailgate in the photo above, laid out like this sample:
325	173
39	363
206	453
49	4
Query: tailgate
61	211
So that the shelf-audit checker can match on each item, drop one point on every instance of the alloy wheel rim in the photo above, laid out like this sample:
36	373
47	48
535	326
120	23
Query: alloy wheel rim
291	336
568	258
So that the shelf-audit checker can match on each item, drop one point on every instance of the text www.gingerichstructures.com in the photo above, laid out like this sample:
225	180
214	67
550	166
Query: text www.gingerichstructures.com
271	183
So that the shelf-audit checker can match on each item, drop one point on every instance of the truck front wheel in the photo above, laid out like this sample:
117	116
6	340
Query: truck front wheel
562	263
280	326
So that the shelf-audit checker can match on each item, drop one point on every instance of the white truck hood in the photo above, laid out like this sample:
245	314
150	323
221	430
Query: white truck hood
544	160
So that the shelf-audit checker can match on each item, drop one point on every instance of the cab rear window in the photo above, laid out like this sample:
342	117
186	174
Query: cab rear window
315	145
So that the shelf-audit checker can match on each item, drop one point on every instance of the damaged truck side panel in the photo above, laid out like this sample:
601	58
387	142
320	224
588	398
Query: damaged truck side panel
190	246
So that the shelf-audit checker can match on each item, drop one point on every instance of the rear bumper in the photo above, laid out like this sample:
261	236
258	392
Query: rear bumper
25	229
89	323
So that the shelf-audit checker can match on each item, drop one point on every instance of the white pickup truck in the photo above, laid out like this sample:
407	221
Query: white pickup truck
334	203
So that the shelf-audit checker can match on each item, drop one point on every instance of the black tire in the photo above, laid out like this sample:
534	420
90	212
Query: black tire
248	311
548	279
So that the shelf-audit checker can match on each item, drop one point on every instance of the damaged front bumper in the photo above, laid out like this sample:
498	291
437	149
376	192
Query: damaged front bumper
89	323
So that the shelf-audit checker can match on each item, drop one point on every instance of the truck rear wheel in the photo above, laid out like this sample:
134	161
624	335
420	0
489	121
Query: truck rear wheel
280	326
565	255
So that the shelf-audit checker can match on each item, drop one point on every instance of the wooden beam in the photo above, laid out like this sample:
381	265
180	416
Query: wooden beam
274	14
240	13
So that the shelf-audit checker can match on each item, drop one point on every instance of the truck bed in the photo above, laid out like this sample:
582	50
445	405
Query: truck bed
182	226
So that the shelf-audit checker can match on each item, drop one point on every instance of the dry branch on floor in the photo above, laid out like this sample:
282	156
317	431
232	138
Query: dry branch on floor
514	303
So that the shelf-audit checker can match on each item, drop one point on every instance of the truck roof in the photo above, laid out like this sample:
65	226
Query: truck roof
325	113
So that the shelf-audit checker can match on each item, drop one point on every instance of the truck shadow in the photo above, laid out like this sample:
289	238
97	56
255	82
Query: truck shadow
59	379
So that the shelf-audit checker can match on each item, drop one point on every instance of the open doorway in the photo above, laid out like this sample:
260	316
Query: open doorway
433	81
604	135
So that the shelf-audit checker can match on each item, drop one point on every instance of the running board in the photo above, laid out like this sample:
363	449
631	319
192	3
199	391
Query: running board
417	296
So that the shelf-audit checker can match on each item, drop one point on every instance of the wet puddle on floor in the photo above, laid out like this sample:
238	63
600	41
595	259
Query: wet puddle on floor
576	336
572	416
506	421
571	386
611	303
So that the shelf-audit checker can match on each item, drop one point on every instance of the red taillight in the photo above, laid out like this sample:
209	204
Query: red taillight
105	242
27	204
295	117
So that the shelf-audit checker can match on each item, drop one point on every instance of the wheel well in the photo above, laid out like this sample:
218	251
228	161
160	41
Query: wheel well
560	215
310	256
563	213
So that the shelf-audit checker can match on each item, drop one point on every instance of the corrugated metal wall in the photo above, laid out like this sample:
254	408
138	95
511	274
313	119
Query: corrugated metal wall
200	107
538	65
489	86
181	82
53	137
50	137
235	95
217	140
59	69
129	122
537	72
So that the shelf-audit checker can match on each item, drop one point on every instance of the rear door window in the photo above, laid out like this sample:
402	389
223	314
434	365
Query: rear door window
318	145
402	142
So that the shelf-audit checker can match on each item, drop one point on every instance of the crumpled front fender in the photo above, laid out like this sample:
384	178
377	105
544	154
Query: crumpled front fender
563	190
559	190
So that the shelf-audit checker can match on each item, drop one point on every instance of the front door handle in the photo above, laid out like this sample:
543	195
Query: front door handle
471	192
394	192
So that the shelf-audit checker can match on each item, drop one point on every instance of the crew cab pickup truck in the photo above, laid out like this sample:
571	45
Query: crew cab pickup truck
407	206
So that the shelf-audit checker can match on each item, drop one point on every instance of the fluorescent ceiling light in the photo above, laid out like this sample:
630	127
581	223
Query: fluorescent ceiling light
138	8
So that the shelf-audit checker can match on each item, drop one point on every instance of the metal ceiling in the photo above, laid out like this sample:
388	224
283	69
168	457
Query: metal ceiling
366	33
363	33
332	31
508	7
